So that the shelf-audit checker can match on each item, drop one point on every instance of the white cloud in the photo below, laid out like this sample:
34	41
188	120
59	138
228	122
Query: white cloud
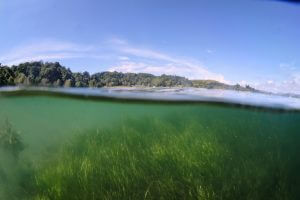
146	53
41	57
209	51
287	66
287	82
45	50
123	58
158	63
127	58
290	85
191	72
117	41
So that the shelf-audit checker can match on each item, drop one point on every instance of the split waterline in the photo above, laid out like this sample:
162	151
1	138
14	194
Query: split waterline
148	144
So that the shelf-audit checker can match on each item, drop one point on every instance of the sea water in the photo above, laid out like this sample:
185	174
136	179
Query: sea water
122	143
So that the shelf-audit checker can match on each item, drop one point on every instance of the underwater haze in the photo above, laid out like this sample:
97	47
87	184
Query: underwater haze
148	144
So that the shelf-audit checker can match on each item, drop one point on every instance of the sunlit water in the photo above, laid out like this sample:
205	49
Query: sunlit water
154	143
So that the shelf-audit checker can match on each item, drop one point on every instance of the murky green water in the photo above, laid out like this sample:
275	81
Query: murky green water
83	149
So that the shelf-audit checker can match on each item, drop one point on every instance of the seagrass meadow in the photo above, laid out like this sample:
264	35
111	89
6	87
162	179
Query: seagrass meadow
54	147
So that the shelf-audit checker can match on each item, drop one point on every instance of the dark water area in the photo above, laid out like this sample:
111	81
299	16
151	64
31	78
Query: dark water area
135	145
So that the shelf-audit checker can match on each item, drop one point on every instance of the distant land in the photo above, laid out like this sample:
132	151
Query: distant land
52	74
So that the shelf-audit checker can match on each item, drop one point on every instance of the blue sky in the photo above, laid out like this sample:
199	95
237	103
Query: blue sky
234	41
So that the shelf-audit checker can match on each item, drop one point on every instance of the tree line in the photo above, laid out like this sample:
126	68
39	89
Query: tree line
52	74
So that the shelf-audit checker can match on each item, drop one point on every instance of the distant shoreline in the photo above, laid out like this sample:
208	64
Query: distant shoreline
52	74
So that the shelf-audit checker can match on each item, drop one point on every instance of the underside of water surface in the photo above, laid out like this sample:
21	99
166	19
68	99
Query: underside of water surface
55	147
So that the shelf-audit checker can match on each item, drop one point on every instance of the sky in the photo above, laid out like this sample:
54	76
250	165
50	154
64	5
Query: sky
252	42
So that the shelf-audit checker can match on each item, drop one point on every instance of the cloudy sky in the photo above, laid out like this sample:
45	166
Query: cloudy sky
252	42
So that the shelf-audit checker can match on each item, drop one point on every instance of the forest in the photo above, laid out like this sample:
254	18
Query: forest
53	74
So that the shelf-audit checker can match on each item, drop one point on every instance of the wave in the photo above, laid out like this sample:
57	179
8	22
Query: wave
165	95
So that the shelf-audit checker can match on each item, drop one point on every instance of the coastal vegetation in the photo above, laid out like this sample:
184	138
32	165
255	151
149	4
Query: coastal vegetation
154	159
50	74
10	140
